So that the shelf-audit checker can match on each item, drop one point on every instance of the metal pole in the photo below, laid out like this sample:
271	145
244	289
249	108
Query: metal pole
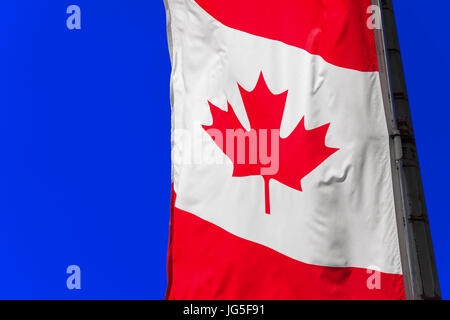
416	248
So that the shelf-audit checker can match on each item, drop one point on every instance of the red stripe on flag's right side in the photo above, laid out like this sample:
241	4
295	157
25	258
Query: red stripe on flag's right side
207	263
336	30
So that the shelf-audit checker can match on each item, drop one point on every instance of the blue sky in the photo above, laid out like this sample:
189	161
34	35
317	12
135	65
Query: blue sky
423	33
78	110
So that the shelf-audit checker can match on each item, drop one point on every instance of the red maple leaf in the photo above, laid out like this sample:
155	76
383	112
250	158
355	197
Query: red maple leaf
297	155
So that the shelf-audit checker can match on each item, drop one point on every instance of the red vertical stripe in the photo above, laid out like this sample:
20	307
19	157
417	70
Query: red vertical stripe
207	262
336	30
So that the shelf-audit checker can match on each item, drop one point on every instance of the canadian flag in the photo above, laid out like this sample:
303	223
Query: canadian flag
281	167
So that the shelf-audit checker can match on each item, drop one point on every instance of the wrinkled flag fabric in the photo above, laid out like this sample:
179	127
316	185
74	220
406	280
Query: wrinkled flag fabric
281	164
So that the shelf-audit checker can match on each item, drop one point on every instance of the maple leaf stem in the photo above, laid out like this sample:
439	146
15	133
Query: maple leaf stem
267	194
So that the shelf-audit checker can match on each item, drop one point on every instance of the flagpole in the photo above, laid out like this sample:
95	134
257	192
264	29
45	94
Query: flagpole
416	248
